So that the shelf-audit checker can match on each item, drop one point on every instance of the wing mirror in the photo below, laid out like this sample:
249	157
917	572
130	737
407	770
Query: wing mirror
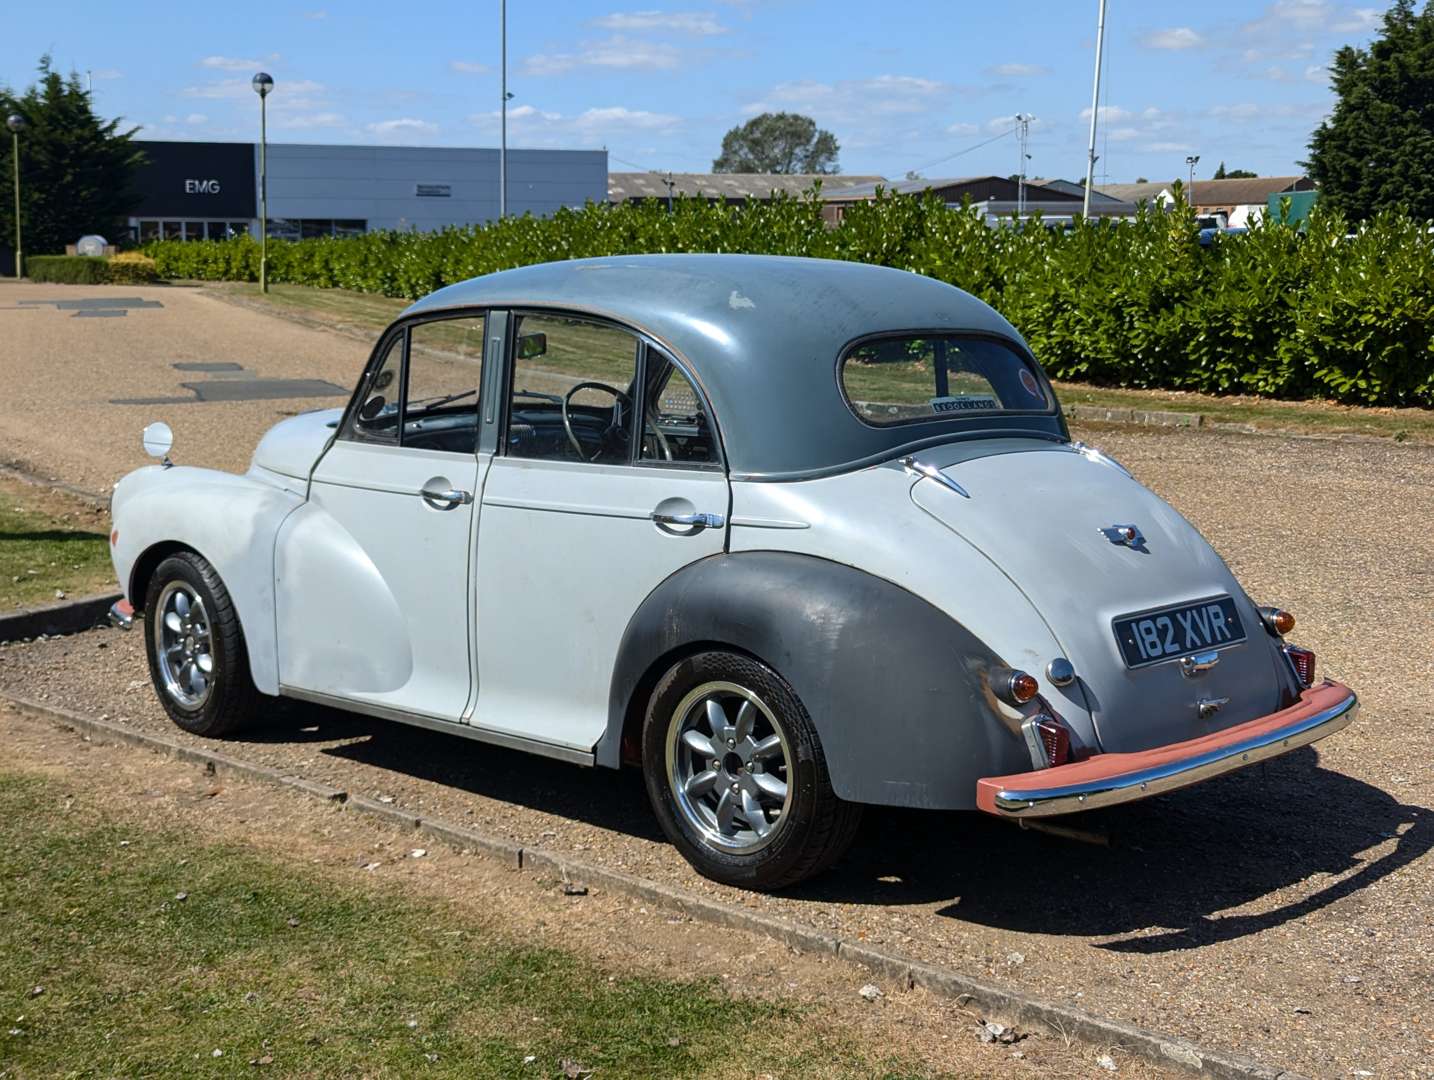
532	346
157	440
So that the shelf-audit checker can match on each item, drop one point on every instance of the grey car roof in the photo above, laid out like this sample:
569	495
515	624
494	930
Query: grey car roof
762	335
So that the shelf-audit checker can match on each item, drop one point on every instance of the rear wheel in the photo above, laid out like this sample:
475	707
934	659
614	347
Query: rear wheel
737	776
197	657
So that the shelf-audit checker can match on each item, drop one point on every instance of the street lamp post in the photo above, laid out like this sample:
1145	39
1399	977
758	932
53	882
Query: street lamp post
263	83
16	124
1094	110
503	99
1191	162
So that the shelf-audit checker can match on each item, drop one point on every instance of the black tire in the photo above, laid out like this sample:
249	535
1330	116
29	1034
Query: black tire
230	699
811	830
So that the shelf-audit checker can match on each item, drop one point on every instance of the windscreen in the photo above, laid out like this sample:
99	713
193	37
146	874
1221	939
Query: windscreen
907	378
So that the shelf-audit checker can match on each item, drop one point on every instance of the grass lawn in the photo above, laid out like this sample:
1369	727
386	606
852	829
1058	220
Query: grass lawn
163	955
48	543
360	310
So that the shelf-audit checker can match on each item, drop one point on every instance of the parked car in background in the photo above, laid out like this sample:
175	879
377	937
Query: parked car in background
790	536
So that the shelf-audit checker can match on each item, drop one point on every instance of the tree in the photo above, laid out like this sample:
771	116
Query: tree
1234	174
76	170
778	143
1376	150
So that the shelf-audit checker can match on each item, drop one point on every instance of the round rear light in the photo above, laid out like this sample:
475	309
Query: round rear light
1023	687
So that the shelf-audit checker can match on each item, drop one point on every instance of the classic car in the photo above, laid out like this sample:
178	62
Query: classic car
791	536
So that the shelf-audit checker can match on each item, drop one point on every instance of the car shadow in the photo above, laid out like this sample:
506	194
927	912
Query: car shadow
604	798
1173	865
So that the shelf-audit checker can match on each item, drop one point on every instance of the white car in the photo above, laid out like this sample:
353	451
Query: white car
792	536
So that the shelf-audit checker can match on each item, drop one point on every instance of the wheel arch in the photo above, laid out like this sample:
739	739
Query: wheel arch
147	563
895	687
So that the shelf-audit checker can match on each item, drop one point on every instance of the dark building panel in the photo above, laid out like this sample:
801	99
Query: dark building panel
196	180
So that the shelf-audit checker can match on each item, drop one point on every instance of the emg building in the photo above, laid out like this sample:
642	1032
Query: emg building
198	190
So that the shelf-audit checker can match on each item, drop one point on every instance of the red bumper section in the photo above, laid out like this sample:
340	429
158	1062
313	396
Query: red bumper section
1105	779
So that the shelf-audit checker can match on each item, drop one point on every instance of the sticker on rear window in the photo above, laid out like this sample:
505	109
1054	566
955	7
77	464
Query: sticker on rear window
1032	387
964	403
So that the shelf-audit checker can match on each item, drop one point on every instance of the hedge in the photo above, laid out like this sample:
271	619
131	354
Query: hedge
1278	311
67	269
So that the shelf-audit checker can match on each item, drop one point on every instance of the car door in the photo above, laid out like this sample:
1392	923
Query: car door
609	479
374	590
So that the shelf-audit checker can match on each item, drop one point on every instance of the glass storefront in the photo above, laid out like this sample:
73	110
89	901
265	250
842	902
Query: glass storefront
149	229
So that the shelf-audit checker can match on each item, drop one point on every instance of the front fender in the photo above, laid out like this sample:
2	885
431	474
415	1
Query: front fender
895	687
230	520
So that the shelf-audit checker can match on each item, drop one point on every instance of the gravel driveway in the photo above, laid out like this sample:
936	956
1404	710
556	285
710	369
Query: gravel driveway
1286	913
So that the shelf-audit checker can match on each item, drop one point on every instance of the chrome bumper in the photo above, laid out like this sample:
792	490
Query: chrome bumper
1106	779
122	614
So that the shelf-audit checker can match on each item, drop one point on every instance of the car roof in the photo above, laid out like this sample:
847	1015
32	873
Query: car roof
762	334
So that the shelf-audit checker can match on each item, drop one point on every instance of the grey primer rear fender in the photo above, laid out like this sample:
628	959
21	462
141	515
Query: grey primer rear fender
894	686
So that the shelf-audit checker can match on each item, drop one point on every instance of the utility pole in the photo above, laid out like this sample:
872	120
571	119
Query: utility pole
503	109
1094	110
1023	122
1192	161
16	124
263	83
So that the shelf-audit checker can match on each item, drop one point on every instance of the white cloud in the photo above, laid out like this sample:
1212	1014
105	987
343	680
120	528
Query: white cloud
1169	148
962	129
1358	21
196	118
1109	114
616	53
1176	38
1124	134
106	74
1016	71
316	15
468	67
702	23
309	121
591	127
235	63
1240	113
850	103
284	92
401	128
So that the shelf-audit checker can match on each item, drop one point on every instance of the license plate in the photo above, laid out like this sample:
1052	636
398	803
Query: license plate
1153	636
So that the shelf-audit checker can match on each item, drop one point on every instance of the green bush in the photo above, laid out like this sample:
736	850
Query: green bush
67	269
1278	311
132	268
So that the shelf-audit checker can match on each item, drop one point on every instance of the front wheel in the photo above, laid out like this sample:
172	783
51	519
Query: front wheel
737	776
197	657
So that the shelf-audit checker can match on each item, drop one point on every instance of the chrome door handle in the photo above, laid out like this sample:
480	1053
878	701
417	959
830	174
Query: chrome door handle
445	498
691	521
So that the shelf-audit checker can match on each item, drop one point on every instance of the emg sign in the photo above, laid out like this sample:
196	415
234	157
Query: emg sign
201	187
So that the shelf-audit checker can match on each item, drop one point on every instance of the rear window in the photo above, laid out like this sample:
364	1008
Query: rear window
914	377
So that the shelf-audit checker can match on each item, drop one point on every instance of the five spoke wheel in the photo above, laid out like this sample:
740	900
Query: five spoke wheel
727	764
183	645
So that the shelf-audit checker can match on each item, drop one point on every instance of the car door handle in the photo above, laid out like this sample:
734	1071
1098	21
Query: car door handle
437	494
690	521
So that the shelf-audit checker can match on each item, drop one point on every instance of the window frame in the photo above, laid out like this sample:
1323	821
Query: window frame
348	430
648	344
1020	352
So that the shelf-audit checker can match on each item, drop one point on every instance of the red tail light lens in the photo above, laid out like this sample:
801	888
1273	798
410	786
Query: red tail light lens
1303	661
1056	739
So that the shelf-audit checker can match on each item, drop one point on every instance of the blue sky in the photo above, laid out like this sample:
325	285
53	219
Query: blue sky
906	86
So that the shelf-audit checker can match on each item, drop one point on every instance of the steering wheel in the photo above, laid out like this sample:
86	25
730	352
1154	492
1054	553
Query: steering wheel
618	396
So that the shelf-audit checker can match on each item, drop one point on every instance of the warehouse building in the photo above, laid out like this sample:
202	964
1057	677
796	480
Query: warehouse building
198	190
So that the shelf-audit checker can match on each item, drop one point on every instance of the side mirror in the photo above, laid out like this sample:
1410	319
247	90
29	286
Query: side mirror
532	346
157	440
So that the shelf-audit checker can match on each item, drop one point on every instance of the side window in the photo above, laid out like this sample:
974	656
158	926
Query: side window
445	372
573	395
675	426
377	417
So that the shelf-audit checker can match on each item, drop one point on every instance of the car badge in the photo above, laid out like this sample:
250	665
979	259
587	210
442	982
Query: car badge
1126	535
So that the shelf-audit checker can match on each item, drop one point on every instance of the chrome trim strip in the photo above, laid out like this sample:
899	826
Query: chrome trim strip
1047	802
433	723
931	472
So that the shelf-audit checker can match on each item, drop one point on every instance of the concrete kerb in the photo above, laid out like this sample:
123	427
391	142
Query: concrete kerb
1008	1006
63	617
